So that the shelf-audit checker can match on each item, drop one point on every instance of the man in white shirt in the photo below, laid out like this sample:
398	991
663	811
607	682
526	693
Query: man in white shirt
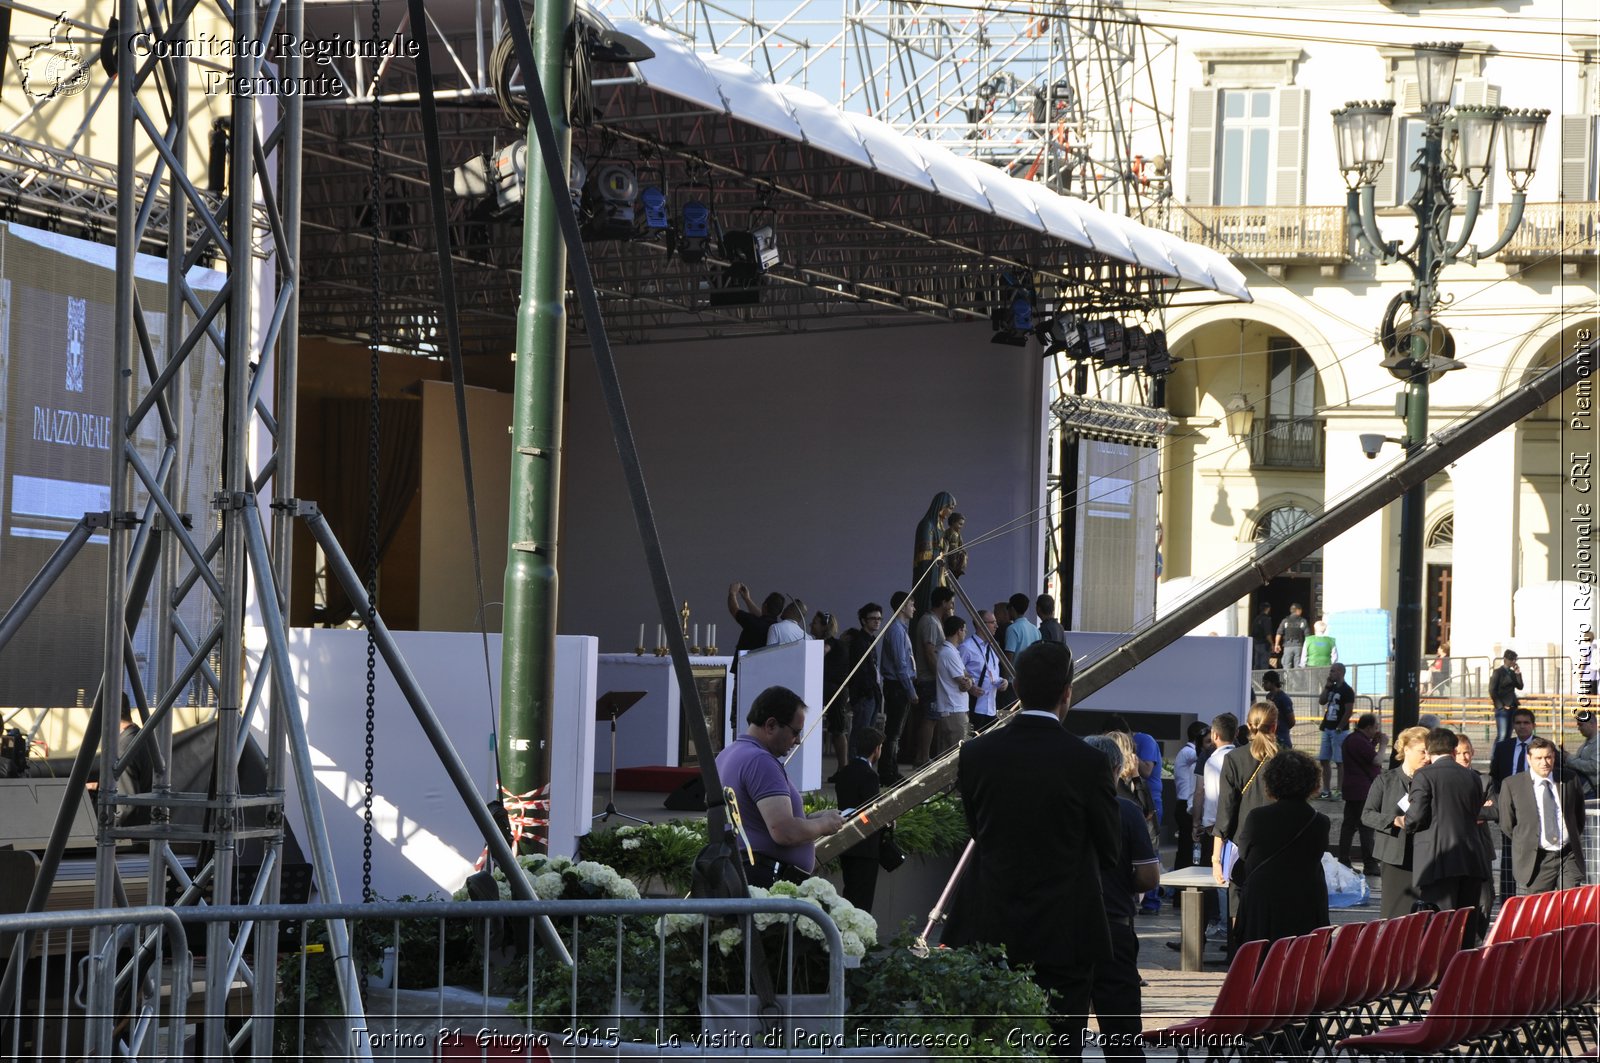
1543	816
927	639
1203	806
950	690
790	626
983	668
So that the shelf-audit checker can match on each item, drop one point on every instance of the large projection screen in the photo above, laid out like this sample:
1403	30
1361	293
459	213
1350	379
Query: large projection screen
58	447
1114	568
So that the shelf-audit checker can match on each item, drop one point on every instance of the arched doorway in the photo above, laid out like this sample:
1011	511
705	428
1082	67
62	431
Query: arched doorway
1302	583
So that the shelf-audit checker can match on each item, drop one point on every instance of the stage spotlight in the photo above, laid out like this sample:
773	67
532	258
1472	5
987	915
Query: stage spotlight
657	214
1095	333
740	284
694	232
1116	343
1159	360
765	239
502	176
1138	347
577	177
611	195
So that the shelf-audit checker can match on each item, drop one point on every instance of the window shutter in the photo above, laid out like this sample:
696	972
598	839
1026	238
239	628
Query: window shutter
1390	181
1577	132
1200	176
1289	186
1477	92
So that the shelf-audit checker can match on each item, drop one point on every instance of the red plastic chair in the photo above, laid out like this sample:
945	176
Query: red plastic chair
1346	952
1406	960
1493	1005
1367	979
1509	915
1440	1028
1275	986
1228	1013
1578	978
1541	914
1445	934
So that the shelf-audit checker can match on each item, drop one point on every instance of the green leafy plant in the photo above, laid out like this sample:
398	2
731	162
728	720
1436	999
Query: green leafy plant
966	1001
651	853
937	827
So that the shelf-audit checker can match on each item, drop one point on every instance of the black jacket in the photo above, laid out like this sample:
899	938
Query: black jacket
1041	806
1390	844
1445	801
855	784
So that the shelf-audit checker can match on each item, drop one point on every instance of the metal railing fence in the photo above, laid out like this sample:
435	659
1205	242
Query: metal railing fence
657	978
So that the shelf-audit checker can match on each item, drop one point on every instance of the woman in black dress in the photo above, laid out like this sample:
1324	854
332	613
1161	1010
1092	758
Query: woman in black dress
1282	891
1386	815
1240	792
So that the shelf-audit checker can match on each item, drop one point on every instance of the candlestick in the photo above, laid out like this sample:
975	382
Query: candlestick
641	634
661	639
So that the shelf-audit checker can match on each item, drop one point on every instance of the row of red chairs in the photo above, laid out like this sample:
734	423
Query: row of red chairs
1518	997
1305	992
1537	913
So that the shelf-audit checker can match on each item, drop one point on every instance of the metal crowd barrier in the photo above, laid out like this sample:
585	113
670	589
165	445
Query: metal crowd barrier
441	980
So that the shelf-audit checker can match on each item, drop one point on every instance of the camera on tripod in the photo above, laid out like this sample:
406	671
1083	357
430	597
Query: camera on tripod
13	754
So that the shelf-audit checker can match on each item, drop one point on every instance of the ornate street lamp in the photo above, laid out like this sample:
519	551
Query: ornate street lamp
1458	146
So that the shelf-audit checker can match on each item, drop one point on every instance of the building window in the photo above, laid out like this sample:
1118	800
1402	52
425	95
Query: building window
1279	523
1290	435
1244	161
1410	133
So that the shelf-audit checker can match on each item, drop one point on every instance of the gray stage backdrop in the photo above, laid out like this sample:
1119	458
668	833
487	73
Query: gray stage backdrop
800	464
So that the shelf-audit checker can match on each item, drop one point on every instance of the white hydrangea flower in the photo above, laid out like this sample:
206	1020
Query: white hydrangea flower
548	886
728	940
678	923
810	928
758	892
630	843
821	889
853	944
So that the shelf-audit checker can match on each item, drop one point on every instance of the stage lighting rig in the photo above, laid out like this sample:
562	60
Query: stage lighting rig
1012	318
1116	356
500	175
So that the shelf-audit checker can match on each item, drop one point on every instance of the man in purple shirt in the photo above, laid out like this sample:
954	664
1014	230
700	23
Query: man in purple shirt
782	835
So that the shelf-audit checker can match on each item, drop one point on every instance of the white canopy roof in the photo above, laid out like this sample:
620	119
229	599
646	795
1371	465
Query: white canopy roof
735	90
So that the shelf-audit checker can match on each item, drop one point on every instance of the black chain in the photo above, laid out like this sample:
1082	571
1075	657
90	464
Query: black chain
374	341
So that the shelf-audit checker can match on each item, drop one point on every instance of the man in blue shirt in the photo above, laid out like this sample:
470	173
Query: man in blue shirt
899	684
1022	632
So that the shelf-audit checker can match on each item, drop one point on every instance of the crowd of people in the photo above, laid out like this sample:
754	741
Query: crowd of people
1061	891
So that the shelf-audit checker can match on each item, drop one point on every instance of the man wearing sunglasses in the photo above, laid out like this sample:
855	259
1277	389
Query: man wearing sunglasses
766	802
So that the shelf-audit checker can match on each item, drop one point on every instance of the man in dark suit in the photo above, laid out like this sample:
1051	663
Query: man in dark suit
1042	809
1510	754
855	784
1509	757
1449	863
1543	815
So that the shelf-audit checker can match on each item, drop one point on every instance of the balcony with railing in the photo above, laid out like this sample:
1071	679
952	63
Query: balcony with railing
1286	443
1268	234
1553	231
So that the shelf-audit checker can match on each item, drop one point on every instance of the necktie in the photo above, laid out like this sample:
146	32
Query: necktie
1550	813
1522	758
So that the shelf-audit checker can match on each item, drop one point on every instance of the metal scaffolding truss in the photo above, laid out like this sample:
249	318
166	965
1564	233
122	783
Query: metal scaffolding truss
198	549
1054	91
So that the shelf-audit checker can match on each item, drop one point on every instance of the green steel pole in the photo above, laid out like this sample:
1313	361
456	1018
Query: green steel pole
529	630
1433	208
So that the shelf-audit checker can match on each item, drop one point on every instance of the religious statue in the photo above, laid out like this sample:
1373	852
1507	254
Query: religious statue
930	544
955	558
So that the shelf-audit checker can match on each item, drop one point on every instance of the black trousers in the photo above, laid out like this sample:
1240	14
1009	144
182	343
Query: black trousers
1458	891
1554	871
895	701
1118	1003
1399	894
1072	991
860	875
1349	827
1185	824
